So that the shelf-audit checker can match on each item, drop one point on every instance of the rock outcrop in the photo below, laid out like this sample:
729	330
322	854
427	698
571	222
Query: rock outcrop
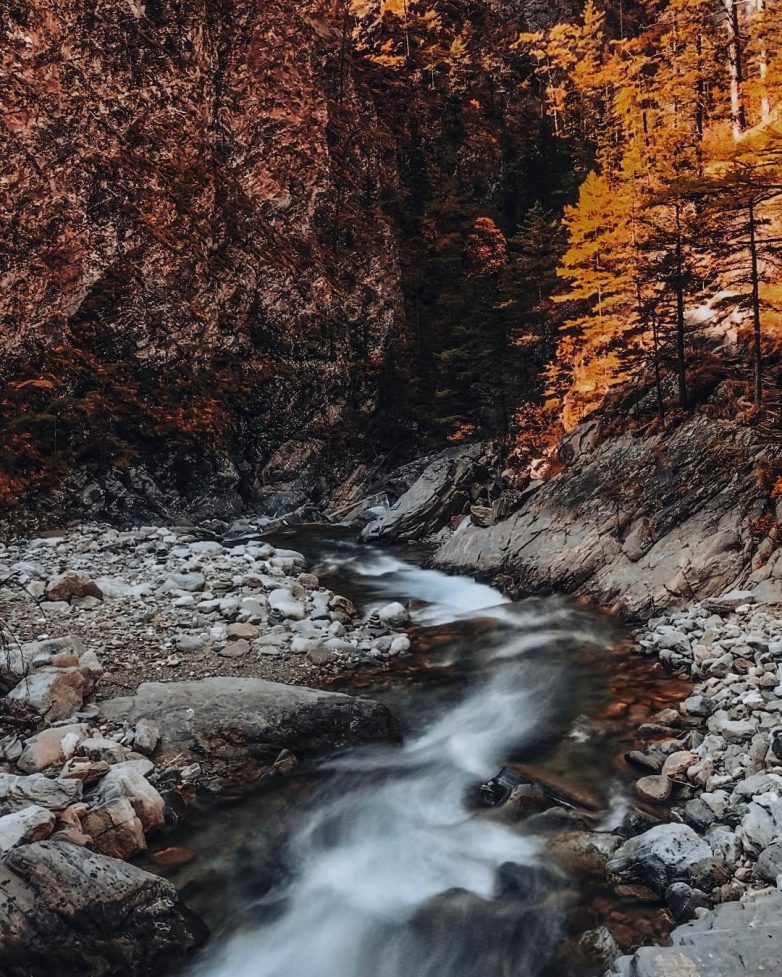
442	491
738	939
635	522
67	910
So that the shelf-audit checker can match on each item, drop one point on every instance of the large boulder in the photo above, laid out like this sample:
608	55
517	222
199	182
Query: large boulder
54	693
441	492
737	939
67	910
237	727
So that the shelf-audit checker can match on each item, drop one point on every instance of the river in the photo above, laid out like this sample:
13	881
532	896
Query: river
390	861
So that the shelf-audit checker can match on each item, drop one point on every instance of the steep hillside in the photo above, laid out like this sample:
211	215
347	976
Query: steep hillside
231	229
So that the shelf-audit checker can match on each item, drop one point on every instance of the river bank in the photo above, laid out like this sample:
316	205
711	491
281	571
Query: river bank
213	725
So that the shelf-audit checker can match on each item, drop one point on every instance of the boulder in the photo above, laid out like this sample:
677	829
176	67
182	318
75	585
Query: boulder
394	615
54	693
146	737
128	780
737	939
17	793
52	747
189	582
441	492
659	856
115	829
238	726
30	824
16	660
70	585
67	910
769	864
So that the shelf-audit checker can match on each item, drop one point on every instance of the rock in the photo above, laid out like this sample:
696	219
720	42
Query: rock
146	736
16	661
321	654
114	828
684	901
677	764
30	824
728	602
737	939
52	747
769	864
242	630
598	948
70	585
283	602
189	582
394	615
99	748
66	910
659	856
439	493
734	730
699	705
761	825
54	693
235	649
242	724
85	770
188	644
654	789
127	780
17	793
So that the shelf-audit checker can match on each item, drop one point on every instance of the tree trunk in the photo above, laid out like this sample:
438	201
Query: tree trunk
735	67
658	383
765	101
679	290
757	351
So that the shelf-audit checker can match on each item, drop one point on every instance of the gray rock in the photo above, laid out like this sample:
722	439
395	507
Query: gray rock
659	856
394	615
189	582
257	719
146	736
67	910
769	863
737	939
17	792
439	493
30	824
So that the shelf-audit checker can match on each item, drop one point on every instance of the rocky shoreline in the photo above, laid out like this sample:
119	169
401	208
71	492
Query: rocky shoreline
713	770
86	777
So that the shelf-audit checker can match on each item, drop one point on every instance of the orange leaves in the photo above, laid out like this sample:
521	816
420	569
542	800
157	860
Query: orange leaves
486	251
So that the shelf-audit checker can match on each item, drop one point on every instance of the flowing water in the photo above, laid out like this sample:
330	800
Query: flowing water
381	862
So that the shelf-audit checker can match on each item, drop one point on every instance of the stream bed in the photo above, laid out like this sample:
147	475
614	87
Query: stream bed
397	860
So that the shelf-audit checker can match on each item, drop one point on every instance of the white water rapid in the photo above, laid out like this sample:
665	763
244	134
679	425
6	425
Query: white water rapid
392	873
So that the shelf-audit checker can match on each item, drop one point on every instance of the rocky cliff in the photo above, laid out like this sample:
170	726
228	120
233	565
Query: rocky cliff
227	228
177	221
632	522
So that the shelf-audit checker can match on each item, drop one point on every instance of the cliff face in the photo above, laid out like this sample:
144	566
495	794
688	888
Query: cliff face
172	172
206	206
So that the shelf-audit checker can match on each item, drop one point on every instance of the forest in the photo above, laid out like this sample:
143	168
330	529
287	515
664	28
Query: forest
522	216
